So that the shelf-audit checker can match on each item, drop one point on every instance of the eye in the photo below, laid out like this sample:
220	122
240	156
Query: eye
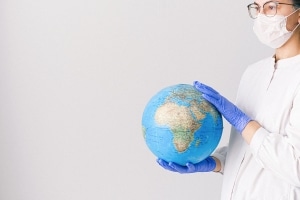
270	6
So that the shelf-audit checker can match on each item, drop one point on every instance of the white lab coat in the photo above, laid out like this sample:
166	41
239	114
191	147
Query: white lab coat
268	168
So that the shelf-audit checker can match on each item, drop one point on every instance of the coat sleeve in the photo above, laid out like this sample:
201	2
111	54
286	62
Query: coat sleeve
280	153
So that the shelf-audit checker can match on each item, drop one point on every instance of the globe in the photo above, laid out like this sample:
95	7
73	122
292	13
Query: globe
180	126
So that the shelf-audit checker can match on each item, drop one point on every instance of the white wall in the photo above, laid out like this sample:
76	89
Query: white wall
75	76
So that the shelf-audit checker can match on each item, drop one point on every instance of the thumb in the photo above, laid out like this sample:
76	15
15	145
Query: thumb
190	166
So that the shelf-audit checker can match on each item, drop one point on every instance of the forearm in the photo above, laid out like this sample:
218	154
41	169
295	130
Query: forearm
250	130
278	153
248	133
218	165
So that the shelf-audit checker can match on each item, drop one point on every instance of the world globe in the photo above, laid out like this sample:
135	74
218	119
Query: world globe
180	126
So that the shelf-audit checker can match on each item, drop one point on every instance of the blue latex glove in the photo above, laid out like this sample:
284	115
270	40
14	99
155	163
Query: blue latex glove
206	165
237	118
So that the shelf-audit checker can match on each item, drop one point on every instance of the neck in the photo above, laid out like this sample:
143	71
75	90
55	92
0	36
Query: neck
291	48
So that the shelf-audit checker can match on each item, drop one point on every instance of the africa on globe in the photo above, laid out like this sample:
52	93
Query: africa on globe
180	126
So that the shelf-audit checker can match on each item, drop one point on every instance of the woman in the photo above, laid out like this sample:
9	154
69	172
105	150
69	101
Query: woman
262	159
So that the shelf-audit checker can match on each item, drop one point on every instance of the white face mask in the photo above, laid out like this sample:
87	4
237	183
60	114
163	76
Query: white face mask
272	31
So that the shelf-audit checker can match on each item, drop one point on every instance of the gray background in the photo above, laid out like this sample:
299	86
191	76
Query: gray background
75	76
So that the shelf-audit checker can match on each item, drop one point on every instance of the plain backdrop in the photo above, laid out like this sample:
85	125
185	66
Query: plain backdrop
75	76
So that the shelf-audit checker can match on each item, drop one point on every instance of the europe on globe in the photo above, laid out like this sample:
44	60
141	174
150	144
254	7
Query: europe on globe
180	126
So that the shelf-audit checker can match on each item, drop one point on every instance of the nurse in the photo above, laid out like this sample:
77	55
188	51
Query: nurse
262	159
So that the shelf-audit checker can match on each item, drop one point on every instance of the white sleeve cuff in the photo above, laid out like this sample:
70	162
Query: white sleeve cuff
257	140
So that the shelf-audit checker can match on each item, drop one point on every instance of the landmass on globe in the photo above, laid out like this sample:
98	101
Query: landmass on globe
179	125
183	120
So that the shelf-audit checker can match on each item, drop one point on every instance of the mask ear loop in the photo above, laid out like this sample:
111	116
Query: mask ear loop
298	19
296	27
293	12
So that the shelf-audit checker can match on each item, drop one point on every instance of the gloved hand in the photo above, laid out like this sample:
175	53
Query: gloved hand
206	165
231	113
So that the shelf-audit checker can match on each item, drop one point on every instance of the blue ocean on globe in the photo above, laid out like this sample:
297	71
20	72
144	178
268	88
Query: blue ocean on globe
180	126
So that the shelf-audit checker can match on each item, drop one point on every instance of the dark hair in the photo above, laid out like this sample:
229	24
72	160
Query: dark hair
297	3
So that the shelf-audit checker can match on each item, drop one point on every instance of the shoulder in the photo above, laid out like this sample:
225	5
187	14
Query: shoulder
259	69
261	65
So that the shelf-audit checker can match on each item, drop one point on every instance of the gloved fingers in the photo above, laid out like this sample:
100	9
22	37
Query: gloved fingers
178	168
220	102
205	89
165	165
230	111
210	163
215	100
191	167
